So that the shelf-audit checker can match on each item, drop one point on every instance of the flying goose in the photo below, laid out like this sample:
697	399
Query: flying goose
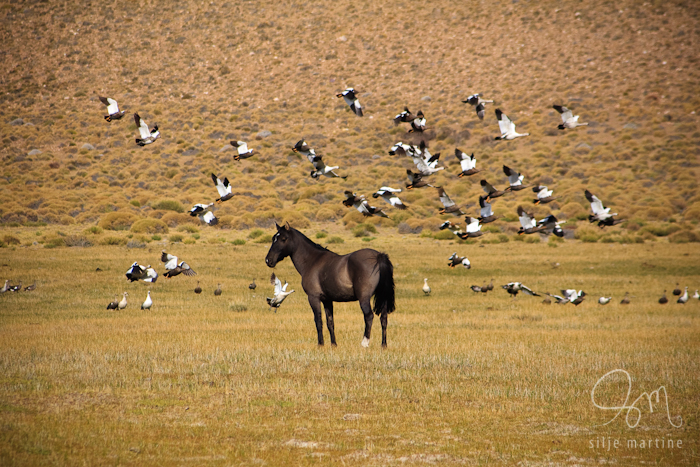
600	214
559	299
514	179
573	296
490	191
198	289
454	228
478	103
426	287
217	292
568	118
455	260
280	292
203	212
604	300
406	117
403	149
147	136
528	225
174	268
388	194
677	291
415	180
418	123
224	188
427	165
663	300
114	303
507	127
684	297
322	169
625	300
302	148
485	211
544	195
364	207
146	305
552	224
136	272
122	303
449	206
242	151
472	229
514	287
467	163
112	109
350	98
350	198
5	287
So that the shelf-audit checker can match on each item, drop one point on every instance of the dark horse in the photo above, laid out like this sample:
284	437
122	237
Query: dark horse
328	277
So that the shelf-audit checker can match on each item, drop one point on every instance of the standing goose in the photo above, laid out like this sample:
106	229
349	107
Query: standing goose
112	109
146	305
122	303
625	300
449	206
604	300
696	295
568	118
29	288
478	103
663	300
490	191
388	194
217	292
684	297
528	225
472	229
242	151
418	123
426	287
350	98
415	180
280	292
514	179
114	303
147	136
224	188
456	260
544	195
467	163
404	117
198	289
485	211
16	287
5	287
507	127
677	291
252	285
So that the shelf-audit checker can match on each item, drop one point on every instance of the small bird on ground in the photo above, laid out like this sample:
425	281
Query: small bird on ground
242	151
29	288
683	298
147	136
217	292
112	109
467	163
456	260
114	303
426	287
507	127
350	98
280	292
122	302
252	285
567	117
146	305
198	289
663	300
625	300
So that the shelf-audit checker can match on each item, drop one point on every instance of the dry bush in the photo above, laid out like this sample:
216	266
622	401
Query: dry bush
112	240
10	240
684	236
588	234
168	205
149	226
116	221
77	240
173	219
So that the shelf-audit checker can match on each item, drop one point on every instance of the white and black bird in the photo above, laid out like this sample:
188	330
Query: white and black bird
514	287
174	267
418	123
477	102
604	300
544	195
574	296
515	179
415	180
567	117
485	211
449	206
457	260
350	98
427	165
403	149
242	151
552	225
467	163
114	303
203	211
223	187
146	305
472	228
404	117
528	224
361	204
559	299
279	294
147	136
696	295
304	149
490	191
112	109
454	228
389	195
683	298
320	168
141	273
16	287
507	127
601	214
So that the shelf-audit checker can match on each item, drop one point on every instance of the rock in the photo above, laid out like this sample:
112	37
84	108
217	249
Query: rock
342	39
584	146
426	98
17	122
227	147
263	134
631	126
28	124
34	152
88	146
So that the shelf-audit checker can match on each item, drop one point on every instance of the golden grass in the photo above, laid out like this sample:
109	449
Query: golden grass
467	378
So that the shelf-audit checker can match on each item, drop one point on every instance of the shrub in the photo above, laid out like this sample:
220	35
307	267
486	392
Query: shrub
363	230
255	233
534	238
190	241
95	230
173	219
237	307
267	238
77	240
587	234
113	241
175	238
684	236
149	226
156	238
135	244
188	228
321	234
238	241
169	205
336	239
10	240
116	221
661	230
135	202
444	235
54	242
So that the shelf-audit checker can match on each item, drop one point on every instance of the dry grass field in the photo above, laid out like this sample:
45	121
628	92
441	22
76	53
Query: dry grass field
467	378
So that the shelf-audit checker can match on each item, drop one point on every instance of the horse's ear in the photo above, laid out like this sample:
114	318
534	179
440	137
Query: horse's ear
278	227
286	226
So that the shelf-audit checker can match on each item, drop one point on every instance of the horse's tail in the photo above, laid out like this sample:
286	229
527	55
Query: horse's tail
384	293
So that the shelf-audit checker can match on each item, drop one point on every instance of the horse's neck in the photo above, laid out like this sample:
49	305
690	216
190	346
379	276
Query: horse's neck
305	256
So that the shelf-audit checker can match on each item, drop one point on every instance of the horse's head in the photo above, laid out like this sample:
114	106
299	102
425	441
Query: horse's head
281	245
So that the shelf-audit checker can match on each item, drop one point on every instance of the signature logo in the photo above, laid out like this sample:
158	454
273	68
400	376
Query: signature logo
632	409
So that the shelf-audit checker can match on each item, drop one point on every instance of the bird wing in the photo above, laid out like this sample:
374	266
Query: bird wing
566	114
527	221
504	123
318	163
390	190
169	260
480	111
363	206
485	207
112	106
224	188
142	126
472	224
445	198
186	269
356	107
151	275
242	147
527	291
514	178
210	218
596	204
277	283
488	188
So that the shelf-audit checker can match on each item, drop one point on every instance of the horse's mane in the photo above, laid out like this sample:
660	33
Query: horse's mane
309	241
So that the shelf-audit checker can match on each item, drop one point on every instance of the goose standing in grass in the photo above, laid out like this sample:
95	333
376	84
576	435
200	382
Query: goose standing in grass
16	287
404	117
677	291
490	191
683	298
472	228
223	187
280	292
625	300
552	225
544	195
456	260
146	305
198	289
203	212
449	206
217	292
514	287
485	211
114	304
31	287
5	287
514	179
696	295
350	98
418	123
567	117
507	127
426	287
467	163
173	267
242	151
304	149
415	180
322	169
663	300
112	109
388	194
475	288
528	224
122	303
600	214
147	136
490	286
477	102
252	285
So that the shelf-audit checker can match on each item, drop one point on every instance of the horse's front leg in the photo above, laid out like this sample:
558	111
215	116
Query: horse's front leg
328	305
369	316
315	303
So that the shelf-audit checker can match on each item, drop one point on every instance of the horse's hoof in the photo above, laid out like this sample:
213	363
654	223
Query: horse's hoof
334	344
384	346
365	342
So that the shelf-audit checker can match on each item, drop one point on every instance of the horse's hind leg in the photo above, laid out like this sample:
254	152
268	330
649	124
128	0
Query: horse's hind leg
328	305
316	307
384	322
369	316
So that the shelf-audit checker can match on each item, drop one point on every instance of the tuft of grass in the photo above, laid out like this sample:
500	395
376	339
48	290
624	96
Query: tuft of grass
175	238
238	241
169	205
116	221
149	226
